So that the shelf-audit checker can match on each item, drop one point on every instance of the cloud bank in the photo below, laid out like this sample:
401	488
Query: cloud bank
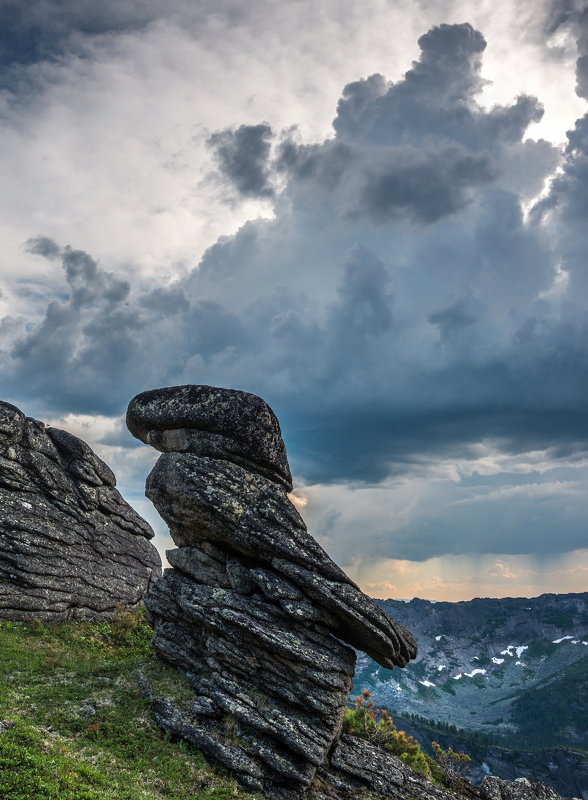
399	287
420	289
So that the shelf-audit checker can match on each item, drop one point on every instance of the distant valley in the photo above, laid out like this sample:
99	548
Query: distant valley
504	678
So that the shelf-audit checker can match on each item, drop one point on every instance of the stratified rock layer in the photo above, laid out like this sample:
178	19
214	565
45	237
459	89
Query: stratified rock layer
253	610
70	547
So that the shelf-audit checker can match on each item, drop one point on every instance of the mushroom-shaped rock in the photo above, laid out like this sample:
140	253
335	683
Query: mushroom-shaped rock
70	546
209	421
253	611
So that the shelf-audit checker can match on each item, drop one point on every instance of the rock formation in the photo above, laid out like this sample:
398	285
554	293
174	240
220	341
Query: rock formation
253	610
70	547
254	614
520	789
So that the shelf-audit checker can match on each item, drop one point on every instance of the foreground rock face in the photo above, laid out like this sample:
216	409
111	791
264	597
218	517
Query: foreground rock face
252	605
70	547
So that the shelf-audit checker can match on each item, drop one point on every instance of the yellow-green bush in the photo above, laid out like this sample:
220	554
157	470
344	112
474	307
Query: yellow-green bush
376	724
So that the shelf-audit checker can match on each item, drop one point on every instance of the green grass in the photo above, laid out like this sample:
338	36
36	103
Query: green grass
73	725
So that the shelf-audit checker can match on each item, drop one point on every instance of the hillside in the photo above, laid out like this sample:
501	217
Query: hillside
511	674
73	725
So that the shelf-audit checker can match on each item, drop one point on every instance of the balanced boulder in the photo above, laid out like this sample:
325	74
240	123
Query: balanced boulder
70	546
253	612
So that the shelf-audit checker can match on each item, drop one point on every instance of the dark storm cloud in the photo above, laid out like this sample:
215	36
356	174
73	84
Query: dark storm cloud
363	307
414	149
43	246
376	340
564	208
323	164
41	30
242	156
166	300
80	353
560	13
100	345
582	77
436	97
375	439
453	320
582	62
427	190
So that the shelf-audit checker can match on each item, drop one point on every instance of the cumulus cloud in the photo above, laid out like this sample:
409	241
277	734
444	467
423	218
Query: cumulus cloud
243	156
92	344
43	246
342	303
398	308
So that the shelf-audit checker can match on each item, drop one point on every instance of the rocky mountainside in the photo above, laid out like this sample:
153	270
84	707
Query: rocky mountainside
512	671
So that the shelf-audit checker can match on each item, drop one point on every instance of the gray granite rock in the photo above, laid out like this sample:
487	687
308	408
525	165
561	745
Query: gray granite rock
358	766
214	422
255	615
253	611
70	546
494	788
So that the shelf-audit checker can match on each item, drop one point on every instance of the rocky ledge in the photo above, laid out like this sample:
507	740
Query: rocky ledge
70	546
359	769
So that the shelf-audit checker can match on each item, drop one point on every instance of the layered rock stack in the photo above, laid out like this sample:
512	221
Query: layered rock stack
253	610
70	546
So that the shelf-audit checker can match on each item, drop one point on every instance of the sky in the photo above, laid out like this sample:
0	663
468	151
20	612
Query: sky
371	215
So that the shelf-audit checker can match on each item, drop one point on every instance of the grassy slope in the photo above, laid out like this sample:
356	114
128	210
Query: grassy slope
73	725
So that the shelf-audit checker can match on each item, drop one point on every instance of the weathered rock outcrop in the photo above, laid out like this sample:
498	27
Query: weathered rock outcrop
254	614
70	546
253	611
357	766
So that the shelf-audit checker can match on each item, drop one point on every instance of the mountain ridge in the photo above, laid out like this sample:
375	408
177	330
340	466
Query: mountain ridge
513	671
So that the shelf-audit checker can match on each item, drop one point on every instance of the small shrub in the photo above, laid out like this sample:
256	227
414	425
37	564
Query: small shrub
376	724
129	627
455	765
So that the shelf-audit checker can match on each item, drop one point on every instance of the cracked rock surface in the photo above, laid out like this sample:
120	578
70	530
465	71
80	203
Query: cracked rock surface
494	788
253	611
70	546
